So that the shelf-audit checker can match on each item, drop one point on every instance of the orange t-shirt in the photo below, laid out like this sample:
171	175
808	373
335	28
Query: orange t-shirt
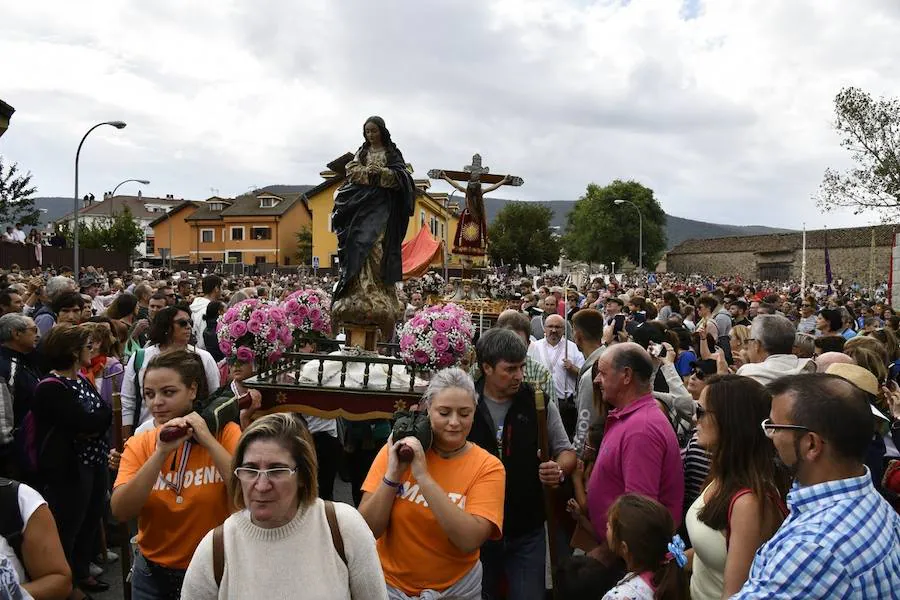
169	532
415	552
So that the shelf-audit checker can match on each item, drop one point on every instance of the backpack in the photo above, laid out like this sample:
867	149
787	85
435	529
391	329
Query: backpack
132	346
28	448
138	396
11	524
218	542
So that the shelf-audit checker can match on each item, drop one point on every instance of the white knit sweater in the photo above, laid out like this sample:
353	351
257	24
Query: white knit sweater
297	560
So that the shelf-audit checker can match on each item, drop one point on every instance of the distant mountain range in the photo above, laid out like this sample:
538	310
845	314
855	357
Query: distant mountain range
678	229
55	207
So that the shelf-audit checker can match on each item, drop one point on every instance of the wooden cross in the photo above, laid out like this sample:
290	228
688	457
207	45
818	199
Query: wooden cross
475	171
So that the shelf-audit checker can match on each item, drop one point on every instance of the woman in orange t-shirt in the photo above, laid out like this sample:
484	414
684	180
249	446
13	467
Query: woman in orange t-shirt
431	516
177	489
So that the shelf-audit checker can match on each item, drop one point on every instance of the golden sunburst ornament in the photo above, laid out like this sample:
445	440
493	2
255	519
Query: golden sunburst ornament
281	398
470	232
399	405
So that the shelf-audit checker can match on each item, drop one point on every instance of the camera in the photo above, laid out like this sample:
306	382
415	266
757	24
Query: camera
618	324
657	350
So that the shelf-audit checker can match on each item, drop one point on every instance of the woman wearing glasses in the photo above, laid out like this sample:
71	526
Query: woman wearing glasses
742	505
284	539
170	331
176	488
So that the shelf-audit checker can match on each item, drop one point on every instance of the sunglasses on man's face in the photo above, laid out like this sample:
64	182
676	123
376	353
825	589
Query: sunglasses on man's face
699	374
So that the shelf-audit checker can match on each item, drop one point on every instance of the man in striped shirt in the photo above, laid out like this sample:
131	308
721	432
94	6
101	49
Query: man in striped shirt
841	539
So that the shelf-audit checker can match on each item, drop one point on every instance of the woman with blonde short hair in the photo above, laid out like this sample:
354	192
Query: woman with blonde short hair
284	538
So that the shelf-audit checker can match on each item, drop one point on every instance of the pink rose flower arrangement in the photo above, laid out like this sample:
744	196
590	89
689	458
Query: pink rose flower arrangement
437	337
253	331
308	313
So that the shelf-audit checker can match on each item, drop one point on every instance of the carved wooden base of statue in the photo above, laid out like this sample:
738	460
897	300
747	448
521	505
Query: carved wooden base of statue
368	305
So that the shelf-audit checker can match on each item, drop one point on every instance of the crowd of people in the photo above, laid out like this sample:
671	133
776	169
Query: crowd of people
704	438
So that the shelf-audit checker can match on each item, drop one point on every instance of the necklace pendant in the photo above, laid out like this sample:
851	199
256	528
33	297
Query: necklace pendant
179	500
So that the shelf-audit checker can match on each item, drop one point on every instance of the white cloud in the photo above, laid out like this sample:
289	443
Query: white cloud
726	115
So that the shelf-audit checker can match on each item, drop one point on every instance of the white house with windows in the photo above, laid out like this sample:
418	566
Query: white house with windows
144	209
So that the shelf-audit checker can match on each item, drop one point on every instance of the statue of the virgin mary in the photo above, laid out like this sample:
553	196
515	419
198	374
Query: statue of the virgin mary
371	212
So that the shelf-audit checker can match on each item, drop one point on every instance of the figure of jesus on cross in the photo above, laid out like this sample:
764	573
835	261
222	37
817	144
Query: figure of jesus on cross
471	232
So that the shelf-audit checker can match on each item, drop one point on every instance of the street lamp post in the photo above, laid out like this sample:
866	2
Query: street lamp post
141	181
640	232
117	125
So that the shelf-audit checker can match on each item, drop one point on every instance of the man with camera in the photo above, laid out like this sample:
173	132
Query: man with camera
506	424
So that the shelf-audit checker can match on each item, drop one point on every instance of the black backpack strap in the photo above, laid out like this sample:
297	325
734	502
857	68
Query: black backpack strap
138	395
11	524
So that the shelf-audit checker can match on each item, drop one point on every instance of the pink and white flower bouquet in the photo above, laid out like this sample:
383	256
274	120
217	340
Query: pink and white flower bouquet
254	331
437	337
308	313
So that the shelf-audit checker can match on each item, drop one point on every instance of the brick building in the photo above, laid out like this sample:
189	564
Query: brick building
857	254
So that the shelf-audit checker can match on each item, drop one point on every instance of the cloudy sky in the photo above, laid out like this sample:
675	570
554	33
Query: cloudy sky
723	107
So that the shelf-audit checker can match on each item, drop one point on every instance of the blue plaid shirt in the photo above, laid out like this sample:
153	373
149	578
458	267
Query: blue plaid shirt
841	540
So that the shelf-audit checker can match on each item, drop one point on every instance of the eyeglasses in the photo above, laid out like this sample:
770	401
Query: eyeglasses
699	374
183	323
769	428
276	475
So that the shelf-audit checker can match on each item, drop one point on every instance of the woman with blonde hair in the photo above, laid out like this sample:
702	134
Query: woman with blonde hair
738	337
281	518
432	515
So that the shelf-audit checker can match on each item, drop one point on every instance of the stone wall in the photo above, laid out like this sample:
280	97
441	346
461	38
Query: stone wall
741	264
850	264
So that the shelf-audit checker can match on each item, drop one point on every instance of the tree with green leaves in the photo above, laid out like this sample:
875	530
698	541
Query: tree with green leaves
304	245
16	196
521	236
600	231
870	130
121	233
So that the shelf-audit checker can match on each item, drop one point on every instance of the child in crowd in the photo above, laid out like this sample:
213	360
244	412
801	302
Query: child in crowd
639	530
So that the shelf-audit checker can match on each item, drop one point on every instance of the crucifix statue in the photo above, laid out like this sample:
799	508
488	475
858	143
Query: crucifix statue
471	232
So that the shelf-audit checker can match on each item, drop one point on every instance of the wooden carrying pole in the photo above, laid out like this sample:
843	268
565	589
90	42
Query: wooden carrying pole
124	535
549	512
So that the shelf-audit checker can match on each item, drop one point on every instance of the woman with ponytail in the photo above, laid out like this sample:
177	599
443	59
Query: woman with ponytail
173	478
640	531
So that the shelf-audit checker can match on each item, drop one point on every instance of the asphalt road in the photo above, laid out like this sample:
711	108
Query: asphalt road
113	577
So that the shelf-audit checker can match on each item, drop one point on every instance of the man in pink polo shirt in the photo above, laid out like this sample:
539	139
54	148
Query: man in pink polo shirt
639	453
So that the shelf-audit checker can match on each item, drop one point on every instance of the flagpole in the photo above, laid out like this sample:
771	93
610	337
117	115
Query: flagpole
827	265
803	266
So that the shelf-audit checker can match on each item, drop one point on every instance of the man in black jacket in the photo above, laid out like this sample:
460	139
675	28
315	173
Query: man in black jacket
506	424
18	378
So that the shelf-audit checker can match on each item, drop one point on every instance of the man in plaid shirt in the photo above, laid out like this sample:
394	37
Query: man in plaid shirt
841	539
